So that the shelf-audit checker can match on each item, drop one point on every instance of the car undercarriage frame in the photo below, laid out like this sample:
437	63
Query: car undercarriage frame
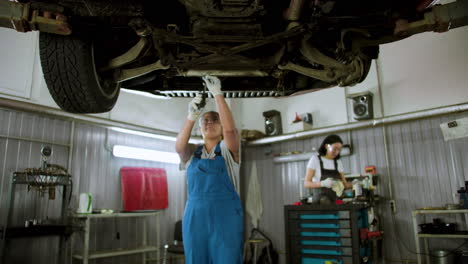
51	18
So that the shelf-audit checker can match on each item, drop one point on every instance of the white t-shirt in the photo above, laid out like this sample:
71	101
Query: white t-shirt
232	166
314	163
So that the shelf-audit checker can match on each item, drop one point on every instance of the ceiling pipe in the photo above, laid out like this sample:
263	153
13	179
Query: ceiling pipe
363	124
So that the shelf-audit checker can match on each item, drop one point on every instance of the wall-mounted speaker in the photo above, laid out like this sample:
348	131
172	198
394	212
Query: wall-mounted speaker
362	107
273	123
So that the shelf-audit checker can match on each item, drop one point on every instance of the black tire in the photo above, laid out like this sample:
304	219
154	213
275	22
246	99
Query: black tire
69	68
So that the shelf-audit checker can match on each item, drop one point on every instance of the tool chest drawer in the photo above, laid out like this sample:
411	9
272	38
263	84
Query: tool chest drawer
320	241
325	224
317	215
323	250
319	234
311	259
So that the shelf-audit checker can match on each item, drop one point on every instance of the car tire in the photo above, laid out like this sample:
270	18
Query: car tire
69	68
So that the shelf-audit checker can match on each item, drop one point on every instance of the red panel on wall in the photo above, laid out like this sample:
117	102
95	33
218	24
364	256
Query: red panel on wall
143	188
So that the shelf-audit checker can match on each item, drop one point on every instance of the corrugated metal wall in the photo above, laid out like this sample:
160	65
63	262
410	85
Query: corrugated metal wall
94	170
425	170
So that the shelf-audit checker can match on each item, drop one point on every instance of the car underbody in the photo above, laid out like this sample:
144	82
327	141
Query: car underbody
258	48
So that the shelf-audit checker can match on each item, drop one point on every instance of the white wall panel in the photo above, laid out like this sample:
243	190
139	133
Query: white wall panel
17	60
425	71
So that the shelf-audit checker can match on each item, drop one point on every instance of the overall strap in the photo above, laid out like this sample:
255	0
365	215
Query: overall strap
321	162
198	152
218	149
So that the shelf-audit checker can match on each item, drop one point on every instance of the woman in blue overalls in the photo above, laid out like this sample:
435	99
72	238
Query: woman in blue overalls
324	169
212	226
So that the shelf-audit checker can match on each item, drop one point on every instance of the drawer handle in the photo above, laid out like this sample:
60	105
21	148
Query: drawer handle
320	226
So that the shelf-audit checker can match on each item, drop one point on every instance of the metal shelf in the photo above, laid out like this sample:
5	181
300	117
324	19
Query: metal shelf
85	221
123	214
38	230
443	236
43	180
29	178
440	211
418	236
117	252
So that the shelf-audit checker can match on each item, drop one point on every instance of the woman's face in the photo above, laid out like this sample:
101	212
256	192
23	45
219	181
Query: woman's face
211	125
333	150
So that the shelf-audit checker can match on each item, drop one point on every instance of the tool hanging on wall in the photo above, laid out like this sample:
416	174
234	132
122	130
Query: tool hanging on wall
46	178
304	117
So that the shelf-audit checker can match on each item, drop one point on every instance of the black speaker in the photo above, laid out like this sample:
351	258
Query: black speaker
362	107
273	123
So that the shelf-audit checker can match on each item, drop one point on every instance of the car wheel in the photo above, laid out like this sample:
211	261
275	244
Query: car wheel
69	65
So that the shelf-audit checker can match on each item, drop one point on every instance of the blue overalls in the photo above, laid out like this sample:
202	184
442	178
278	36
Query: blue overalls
212	226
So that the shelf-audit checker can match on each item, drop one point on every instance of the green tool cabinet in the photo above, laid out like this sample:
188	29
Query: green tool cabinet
322	234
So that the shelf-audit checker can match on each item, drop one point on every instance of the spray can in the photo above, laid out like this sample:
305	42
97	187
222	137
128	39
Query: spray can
463	198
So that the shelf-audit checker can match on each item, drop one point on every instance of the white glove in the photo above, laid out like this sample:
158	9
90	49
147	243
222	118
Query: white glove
194	110
327	183
213	84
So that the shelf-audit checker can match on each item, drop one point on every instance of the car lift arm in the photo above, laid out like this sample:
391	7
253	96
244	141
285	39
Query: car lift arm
24	17
440	18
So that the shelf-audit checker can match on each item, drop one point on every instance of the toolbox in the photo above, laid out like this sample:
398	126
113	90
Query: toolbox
320	234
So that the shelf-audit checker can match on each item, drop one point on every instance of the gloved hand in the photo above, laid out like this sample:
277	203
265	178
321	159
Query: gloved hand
327	183
213	84
194	110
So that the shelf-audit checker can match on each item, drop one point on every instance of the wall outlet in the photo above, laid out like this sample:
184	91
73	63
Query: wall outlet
393	206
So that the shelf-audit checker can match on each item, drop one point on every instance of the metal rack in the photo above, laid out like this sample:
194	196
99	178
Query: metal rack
144	248
44	180
418	236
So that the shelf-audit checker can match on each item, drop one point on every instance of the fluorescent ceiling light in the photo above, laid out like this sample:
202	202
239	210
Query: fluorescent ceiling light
146	94
145	154
144	134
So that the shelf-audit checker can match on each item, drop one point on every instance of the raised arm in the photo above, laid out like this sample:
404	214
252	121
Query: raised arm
183	148
230	133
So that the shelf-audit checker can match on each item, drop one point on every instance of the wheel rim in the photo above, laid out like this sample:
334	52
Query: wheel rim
107	87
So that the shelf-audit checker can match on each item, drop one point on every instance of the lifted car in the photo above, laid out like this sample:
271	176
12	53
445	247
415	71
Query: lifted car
89	49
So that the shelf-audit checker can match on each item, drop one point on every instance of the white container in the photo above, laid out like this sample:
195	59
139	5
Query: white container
357	187
85	204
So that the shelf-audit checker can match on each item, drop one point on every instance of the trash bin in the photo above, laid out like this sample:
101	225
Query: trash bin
442	257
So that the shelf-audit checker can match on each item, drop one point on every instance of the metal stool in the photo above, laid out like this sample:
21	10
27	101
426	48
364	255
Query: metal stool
177	248
256	243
